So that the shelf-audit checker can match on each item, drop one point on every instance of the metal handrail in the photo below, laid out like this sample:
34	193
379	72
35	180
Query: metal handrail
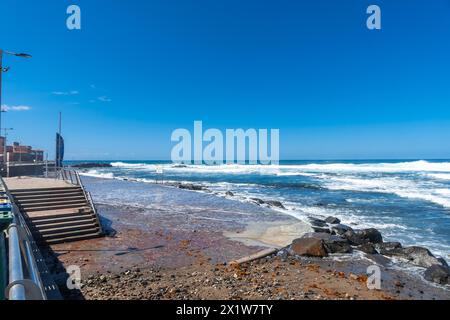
73	177
16	288
68	175
21	259
88	196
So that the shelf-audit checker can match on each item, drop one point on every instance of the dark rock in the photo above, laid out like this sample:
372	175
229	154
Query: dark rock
332	243
317	235
359	237
371	235
367	248
332	220
340	229
338	246
438	274
351	237
190	186
283	254
87	165
319	229
317	222
321	204
308	247
419	256
257	200
275	203
229	193
379	259
385	247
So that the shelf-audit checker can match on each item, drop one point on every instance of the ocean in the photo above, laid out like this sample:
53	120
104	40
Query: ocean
408	201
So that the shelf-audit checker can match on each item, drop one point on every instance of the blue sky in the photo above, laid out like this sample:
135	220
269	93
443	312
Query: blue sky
139	69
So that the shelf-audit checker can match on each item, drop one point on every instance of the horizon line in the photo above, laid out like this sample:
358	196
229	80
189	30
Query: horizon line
224	162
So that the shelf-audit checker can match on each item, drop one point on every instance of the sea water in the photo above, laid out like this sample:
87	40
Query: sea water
408	201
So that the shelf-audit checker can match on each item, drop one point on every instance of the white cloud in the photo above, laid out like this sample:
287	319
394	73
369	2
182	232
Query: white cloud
15	108
65	93
104	99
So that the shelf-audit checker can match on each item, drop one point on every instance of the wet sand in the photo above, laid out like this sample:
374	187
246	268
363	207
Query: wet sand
176	251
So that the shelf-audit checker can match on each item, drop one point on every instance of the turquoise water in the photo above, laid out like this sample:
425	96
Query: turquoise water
408	201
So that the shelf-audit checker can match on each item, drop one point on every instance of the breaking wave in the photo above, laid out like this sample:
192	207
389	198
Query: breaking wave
296	169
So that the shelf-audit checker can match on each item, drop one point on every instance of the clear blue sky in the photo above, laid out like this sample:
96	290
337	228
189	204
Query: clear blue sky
139	69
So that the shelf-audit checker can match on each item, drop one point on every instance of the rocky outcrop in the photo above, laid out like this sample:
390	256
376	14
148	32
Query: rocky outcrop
272	203
340	229
88	165
332	243
363	236
317	222
190	186
275	203
438	274
385	248
368	248
310	247
229	193
321	230
331	236
332	220
419	256
257	200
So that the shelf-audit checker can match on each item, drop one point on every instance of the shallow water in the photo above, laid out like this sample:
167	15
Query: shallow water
408	201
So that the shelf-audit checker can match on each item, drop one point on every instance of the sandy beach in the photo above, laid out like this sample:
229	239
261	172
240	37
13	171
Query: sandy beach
179	246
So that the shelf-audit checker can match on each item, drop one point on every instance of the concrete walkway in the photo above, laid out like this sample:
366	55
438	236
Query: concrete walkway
20	183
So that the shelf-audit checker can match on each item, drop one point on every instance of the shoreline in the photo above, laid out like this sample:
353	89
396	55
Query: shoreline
162	244
395	228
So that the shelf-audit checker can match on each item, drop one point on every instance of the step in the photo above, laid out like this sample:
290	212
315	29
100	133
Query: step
50	202
59	230
51	220
47	199
20	191
53	207
67	233
61	224
44	192
59	213
50	195
71	238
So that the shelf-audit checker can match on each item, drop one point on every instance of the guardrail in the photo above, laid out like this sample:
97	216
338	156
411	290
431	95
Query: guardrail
24	278
88	196
73	177
69	175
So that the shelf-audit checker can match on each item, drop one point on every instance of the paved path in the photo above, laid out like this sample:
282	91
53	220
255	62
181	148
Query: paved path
17	183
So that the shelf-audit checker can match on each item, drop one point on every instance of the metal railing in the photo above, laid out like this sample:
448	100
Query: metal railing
24	282
88	197
69	175
73	177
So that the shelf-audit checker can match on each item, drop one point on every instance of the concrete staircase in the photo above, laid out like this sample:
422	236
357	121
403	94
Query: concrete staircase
56	215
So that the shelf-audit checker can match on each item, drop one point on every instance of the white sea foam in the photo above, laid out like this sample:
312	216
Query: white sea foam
410	166
400	187
97	174
415	180
405	188
440	176
127	165
305	174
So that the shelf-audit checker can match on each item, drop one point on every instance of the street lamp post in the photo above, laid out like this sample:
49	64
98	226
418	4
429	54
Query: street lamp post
4	147
5	69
